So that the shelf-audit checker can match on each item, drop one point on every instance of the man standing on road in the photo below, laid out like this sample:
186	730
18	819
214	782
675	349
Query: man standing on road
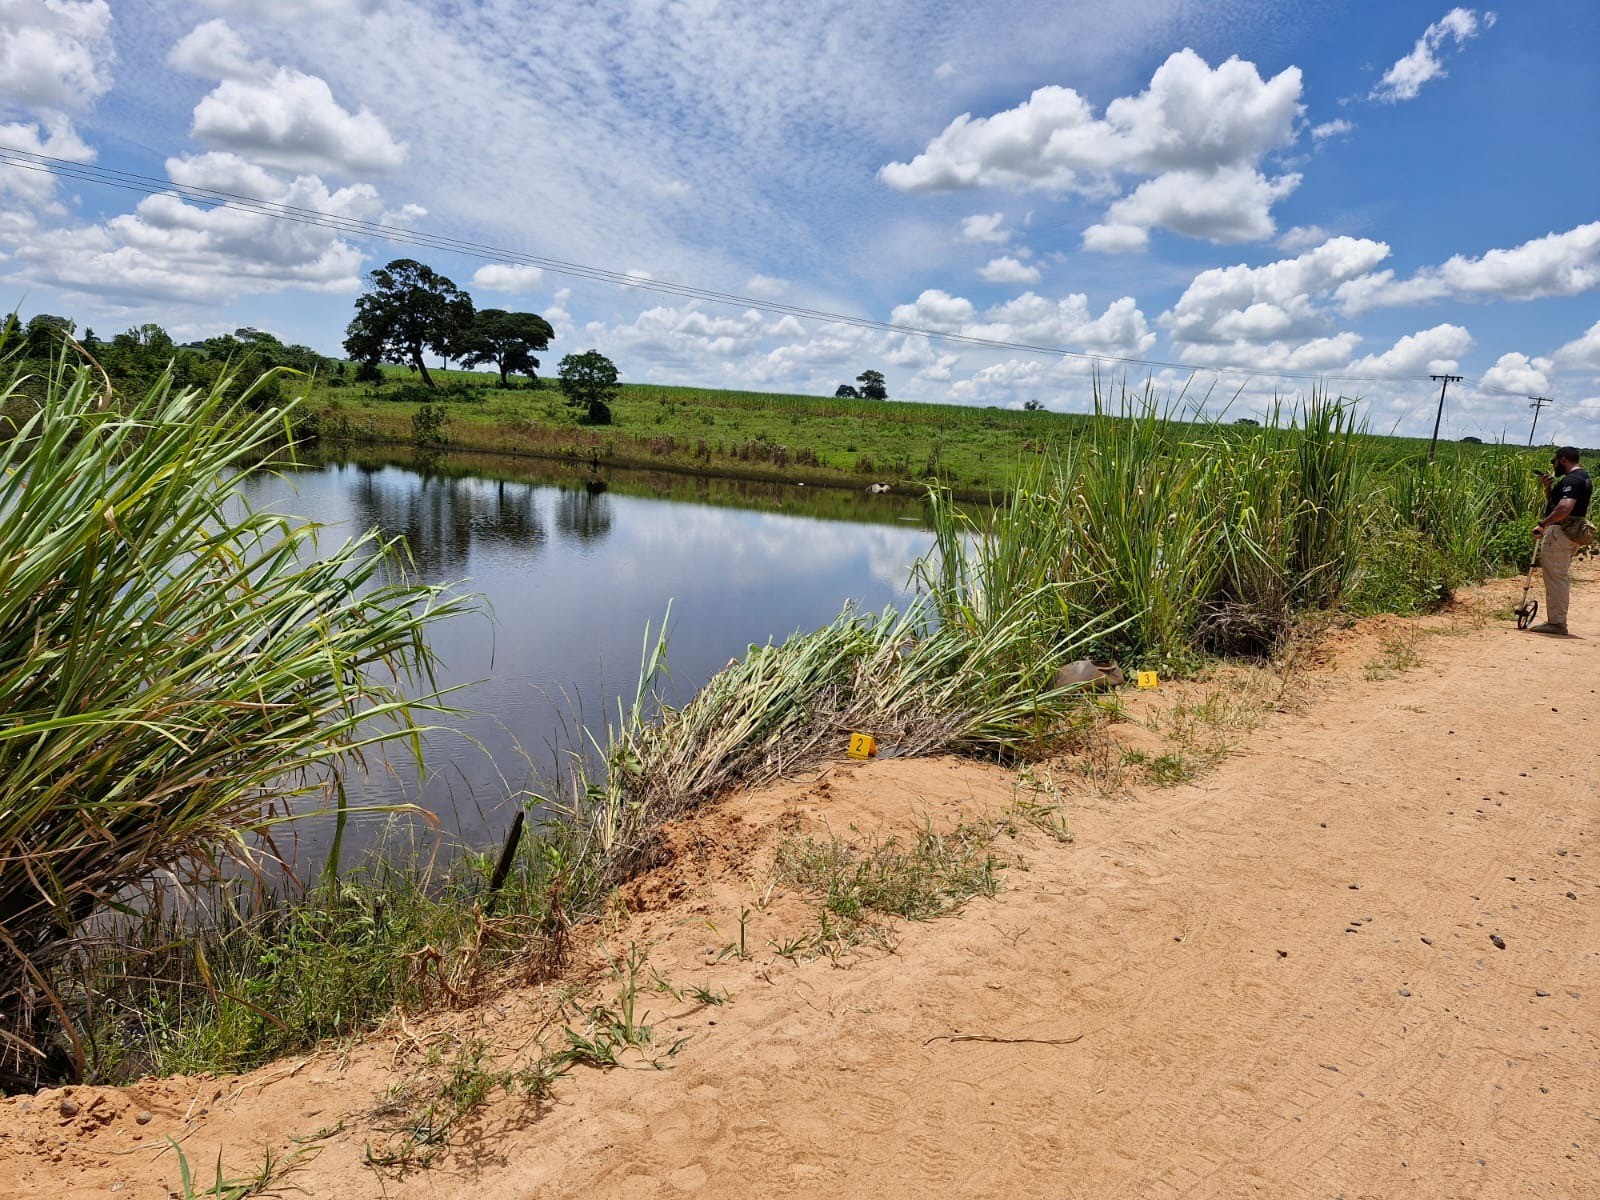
1566	504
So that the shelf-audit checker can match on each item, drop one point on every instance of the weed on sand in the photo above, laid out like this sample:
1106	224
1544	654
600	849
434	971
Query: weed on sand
858	884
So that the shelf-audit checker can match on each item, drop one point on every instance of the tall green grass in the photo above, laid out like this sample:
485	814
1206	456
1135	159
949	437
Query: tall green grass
177	669
1193	537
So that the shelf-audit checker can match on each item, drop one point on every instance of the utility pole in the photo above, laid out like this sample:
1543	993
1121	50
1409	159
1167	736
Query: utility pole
1538	403
1443	381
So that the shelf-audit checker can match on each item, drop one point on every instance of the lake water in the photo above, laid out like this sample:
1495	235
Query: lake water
571	570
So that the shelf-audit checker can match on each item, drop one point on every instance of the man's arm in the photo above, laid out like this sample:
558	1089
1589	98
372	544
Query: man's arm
1557	515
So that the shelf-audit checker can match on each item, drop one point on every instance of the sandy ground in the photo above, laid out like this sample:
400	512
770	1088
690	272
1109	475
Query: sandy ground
1277	981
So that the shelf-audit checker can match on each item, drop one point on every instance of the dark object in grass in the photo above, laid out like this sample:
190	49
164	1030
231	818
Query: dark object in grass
504	865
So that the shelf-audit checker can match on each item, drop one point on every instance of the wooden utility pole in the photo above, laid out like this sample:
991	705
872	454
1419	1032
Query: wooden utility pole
1538	403
1443	381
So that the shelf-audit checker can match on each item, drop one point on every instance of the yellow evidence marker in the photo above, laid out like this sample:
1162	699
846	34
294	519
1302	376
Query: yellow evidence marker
862	745
1149	679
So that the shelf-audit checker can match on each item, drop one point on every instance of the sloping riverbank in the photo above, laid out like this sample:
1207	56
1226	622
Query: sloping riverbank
1279	977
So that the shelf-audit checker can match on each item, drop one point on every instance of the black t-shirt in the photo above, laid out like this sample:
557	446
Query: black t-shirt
1576	485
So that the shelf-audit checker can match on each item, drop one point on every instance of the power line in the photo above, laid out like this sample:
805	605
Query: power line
149	185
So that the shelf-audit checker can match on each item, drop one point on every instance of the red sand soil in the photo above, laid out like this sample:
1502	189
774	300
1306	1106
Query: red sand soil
1277	981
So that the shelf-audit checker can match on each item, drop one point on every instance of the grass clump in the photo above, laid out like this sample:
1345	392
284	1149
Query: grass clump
858	884
418	1119
1189	539
177	670
1397	655
921	685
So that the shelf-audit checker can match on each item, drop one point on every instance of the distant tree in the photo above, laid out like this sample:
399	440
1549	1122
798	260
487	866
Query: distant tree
248	353
44	334
1248	421
409	308
1476	441
1032	405
846	392
263	351
589	381
873	386
137	357
508	340
148	336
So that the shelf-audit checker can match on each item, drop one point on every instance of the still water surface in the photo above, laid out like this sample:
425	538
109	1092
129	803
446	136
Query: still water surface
571	571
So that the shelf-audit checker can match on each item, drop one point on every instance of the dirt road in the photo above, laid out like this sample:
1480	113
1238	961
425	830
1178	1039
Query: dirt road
1284	980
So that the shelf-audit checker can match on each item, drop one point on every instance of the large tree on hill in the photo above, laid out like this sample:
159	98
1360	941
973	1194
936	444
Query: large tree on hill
872	385
409	308
508	340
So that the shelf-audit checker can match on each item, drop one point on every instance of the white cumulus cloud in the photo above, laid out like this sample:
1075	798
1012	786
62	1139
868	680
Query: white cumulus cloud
985	227
169	250
1429	351
222	172
1278	300
215	51
1582	351
1115	239
1223	204
1514	372
279	116
1302	237
54	54
1196	136
1558	264
53	136
55	59
1302	355
1007	269
291	120
517	279
1068	323
1405	79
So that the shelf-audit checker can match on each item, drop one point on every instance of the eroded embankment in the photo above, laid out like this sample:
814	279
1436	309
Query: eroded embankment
1280	978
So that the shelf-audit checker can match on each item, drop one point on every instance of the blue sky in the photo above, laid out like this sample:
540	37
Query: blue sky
1366	191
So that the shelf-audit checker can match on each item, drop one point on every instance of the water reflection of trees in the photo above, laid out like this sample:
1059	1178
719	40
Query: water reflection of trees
584	513
442	519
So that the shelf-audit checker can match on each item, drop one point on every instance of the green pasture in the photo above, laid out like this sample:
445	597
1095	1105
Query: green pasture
751	435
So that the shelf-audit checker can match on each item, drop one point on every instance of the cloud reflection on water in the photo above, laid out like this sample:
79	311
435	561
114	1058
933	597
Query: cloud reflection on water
572	576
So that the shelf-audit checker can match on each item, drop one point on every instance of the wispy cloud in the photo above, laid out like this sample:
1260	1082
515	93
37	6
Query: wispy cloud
1404	80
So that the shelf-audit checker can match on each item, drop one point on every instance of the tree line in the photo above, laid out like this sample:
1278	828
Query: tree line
136	358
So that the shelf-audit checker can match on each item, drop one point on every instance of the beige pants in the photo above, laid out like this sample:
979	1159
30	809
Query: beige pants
1556	560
